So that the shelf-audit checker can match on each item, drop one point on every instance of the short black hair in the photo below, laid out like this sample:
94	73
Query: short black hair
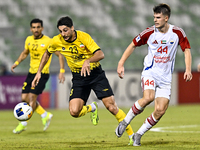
67	21
36	20
162	8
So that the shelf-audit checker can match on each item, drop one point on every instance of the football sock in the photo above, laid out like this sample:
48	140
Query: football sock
148	124
44	114
135	110
40	110
24	123
93	107
120	116
85	110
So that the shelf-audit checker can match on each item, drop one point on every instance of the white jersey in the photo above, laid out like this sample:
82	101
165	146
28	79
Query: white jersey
162	48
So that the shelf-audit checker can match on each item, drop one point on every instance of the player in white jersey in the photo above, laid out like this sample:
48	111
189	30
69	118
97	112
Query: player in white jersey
162	40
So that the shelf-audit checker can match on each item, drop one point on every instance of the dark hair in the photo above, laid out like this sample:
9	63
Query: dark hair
162	8
67	21
36	20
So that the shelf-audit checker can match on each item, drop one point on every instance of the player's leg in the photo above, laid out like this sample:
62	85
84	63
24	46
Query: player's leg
77	108
46	116
112	107
77	100
163	92
34	92
161	105
138	107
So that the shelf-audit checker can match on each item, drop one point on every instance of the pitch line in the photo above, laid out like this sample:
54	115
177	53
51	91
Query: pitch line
167	129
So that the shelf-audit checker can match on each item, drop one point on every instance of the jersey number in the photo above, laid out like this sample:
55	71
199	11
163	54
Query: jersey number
149	82
162	50
25	84
73	50
71	92
35	46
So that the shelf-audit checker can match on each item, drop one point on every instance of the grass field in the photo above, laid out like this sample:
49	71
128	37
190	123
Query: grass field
67	133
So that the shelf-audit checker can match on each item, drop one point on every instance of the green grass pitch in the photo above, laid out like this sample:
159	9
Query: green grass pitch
180	128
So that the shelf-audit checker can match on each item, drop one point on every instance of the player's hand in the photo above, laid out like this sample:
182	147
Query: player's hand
36	80
187	76
85	68
13	67
61	77
120	71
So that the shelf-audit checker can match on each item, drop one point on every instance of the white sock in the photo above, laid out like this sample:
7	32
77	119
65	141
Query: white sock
147	125
134	111
44	114
129	116
24	123
93	107
130	136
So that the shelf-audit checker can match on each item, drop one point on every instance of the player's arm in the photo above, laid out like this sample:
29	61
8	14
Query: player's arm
43	62
62	66
188	63
98	55
21	57
129	50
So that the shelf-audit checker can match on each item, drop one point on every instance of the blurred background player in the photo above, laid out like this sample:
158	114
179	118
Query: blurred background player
163	40
83	56
36	45
4	70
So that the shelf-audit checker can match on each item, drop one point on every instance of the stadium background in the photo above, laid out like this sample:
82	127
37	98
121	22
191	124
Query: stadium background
112	23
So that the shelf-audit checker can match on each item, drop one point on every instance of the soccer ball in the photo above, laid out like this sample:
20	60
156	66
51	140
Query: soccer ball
23	111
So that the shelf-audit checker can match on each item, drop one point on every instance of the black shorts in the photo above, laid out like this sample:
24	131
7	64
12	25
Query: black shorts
97	81
39	88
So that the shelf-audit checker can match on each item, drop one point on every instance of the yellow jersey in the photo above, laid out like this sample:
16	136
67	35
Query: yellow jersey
77	51
36	48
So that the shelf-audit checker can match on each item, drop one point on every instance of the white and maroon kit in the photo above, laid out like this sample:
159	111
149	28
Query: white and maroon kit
160	60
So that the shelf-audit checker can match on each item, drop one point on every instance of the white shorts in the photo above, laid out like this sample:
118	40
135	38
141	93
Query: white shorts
161	89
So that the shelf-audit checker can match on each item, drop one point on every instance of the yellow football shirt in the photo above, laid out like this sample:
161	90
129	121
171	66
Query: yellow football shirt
77	51
36	48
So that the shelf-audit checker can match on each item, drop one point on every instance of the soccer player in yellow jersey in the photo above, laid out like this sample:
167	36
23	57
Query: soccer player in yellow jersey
36	45
83	56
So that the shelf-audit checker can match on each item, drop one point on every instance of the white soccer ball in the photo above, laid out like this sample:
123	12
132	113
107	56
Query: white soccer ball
23	111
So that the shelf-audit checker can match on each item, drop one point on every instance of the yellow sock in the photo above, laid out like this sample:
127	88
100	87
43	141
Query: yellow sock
120	116
85	110
40	110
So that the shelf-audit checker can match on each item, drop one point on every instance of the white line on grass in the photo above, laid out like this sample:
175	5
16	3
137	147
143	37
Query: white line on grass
167	129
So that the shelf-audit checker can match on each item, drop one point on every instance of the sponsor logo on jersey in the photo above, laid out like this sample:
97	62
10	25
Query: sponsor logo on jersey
82	46
63	48
105	89
171	42
42	45
159	59
137	38
28	43
163	42
155	42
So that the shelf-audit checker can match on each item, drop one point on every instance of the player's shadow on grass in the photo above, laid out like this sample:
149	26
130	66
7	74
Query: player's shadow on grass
174	143
94	144
38	132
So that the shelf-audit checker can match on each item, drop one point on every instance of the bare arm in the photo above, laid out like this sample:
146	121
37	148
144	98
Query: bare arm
21	57
129	50
98	55
62	66
188	63
43	62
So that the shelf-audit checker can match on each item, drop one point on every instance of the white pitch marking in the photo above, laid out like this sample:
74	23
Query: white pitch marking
165	129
